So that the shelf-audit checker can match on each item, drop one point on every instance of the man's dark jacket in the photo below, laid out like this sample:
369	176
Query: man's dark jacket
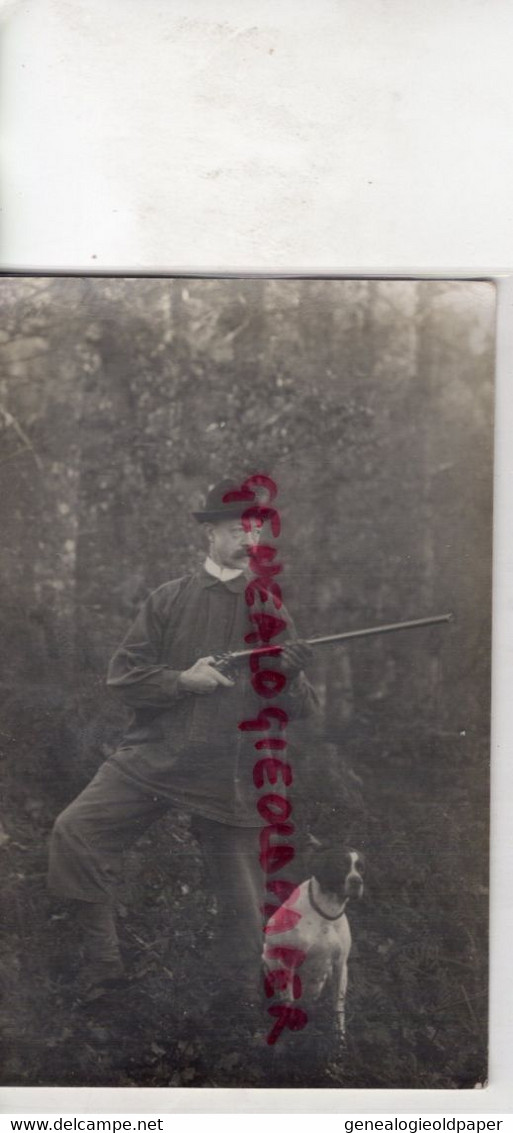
186	747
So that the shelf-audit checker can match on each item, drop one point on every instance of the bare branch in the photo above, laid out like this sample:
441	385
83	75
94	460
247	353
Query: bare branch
27	443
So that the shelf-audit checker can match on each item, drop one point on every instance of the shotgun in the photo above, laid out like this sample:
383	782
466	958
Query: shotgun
228	662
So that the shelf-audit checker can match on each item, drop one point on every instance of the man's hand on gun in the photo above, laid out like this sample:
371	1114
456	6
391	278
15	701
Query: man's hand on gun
202	678
294	656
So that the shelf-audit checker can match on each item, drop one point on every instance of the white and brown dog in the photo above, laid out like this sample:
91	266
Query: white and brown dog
310	933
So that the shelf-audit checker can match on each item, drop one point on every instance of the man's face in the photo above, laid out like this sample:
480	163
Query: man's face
229	542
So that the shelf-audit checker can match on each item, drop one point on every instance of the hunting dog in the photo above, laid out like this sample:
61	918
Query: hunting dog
310	933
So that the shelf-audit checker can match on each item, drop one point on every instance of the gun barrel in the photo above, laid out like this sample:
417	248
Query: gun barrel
392	627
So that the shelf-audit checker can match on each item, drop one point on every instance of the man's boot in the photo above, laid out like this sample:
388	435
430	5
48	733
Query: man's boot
103	967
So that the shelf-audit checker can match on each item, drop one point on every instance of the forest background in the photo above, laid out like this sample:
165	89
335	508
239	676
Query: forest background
370	403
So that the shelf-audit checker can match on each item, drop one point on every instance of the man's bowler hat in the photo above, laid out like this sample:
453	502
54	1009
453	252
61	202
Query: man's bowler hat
223	501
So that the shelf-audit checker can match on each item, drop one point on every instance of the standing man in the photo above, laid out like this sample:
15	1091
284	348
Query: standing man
183	748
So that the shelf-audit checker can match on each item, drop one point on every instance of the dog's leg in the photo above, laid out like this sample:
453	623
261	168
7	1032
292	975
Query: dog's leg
340	988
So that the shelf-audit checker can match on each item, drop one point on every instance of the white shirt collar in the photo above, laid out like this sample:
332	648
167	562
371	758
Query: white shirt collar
223	573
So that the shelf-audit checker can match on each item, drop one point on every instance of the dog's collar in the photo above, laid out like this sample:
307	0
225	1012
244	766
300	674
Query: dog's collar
326	916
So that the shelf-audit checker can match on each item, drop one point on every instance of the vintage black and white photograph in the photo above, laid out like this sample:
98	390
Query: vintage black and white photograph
245	727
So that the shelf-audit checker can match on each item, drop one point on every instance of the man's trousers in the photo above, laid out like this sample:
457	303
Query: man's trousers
89	838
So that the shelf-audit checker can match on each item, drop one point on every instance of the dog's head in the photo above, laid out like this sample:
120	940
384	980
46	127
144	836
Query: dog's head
340	872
